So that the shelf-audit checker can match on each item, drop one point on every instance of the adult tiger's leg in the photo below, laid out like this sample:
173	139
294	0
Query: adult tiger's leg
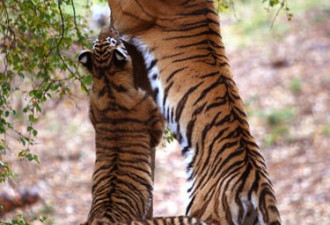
192	82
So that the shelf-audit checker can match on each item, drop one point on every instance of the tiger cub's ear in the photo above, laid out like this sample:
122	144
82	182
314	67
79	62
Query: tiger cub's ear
85	58
120	57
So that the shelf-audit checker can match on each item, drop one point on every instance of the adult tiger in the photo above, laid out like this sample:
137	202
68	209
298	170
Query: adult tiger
192	83
128	124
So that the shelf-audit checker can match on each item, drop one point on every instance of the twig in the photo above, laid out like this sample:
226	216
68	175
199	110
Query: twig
6	35
75	21
73	73
234	9
58	50
276	15
62	24
62	29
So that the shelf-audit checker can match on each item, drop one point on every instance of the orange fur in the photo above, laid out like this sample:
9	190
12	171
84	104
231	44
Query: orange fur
199	99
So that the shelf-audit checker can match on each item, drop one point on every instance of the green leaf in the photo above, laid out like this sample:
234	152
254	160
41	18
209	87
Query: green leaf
38	108
22	141
42	218
26	109
21	75
32	118
35	132
29	128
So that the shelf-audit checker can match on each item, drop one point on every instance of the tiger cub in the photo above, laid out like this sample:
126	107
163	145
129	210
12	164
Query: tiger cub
128	124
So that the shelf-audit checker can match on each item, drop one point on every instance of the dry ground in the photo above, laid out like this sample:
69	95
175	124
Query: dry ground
286	87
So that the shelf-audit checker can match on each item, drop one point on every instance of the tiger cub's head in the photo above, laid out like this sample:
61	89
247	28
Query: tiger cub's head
107	56
111	69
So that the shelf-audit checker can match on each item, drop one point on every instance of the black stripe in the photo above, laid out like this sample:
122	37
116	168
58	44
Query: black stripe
189	205
174	73
206	22
166	92
154	76
113	107
186	28
215	104
207	90
189	131
213	74
118	88
171	56
192	57
181	104
208	127
204	11
172	116
152	64
207	32
255	185
203	42
198	110
155	93
236	163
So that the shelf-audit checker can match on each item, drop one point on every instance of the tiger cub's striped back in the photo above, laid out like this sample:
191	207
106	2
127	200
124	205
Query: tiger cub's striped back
128	125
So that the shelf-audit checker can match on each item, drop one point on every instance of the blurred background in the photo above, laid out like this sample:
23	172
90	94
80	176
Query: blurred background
283	73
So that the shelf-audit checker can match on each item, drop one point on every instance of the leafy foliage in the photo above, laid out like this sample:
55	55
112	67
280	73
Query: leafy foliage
36	37
21	221
168	135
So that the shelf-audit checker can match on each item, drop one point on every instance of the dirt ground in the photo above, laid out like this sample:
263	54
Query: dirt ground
286	87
